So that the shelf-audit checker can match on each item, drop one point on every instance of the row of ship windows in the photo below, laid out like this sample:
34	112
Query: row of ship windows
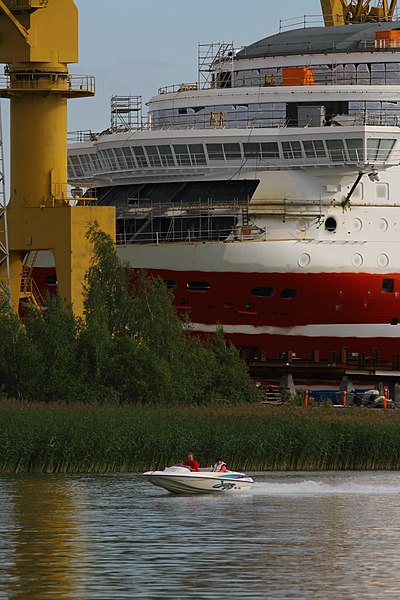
126	158
205	286
259	291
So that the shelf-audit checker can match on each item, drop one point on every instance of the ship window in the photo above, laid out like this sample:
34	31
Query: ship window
120	158
111	159
232	151
50	280
76	163
198	286
288	294
388	286
269	150
140	156
128	157
152	155
336	150
197	154
265	292
355	148
182	111
71	172
166	155
394	321
86	163
170	284
215	152
251	150
182	154
330	224
314	149
382	191
379	149
291	149
95	162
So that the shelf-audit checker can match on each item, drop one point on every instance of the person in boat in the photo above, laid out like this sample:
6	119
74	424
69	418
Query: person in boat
191	462
219	466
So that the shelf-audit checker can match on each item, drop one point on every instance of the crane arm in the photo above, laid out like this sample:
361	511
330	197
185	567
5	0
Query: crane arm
340	12
21	29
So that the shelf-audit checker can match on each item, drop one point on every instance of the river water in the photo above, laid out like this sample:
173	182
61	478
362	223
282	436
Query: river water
294	535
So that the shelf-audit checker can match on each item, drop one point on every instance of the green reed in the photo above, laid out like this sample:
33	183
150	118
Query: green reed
106	438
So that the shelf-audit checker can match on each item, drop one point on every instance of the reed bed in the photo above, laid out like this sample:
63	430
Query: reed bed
103	438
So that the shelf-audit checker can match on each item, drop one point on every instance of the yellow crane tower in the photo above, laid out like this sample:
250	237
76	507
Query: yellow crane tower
38	38
341	12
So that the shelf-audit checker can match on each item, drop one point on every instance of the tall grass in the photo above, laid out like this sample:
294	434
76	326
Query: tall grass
50	439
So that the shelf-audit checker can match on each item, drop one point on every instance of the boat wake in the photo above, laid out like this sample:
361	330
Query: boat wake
310	487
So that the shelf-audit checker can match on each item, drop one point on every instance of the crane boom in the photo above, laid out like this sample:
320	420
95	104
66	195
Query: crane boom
341	12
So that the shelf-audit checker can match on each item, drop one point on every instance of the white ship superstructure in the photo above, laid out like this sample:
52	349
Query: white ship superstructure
266	194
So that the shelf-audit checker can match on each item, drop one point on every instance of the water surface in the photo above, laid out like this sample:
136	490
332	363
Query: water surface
295	536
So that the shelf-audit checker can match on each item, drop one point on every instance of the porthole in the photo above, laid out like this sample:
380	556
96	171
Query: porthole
288	294
383	225
302	225
357	225
304	260
383	261
357	260
330	224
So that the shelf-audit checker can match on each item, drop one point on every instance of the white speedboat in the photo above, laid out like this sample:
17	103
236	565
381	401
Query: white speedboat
181	480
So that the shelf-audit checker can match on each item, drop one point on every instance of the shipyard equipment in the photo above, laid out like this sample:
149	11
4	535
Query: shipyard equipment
38	38
342	12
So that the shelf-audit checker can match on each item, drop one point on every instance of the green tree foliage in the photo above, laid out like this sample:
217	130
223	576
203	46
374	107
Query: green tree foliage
130	345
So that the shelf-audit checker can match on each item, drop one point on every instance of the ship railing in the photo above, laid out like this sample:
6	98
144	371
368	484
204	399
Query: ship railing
178	87
273	118
84	135
350	75
306	21
63	82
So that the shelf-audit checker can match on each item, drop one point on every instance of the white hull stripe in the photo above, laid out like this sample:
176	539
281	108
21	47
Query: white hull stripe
333	330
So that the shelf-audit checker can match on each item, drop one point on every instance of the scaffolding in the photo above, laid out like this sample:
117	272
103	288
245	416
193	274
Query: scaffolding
126	113
5	279
215	65
149	221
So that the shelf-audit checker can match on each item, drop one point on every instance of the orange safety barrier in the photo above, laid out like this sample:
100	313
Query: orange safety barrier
297	76
387	39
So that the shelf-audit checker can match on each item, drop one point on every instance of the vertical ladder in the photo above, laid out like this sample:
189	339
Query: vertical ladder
5	282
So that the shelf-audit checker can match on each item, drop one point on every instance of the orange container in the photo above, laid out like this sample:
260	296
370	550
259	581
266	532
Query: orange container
388	34
387	39
297	76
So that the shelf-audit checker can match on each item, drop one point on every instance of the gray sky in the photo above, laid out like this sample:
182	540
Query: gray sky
134	47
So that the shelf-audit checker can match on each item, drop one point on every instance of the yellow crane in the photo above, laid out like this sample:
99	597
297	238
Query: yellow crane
341	12
38	38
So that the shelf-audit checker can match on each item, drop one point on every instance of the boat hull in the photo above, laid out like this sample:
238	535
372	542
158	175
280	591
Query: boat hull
179	481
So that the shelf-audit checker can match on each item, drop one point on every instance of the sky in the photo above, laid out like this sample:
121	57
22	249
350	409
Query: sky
134	47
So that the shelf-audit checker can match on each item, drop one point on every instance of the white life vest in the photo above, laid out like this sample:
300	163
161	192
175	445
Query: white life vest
218	466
